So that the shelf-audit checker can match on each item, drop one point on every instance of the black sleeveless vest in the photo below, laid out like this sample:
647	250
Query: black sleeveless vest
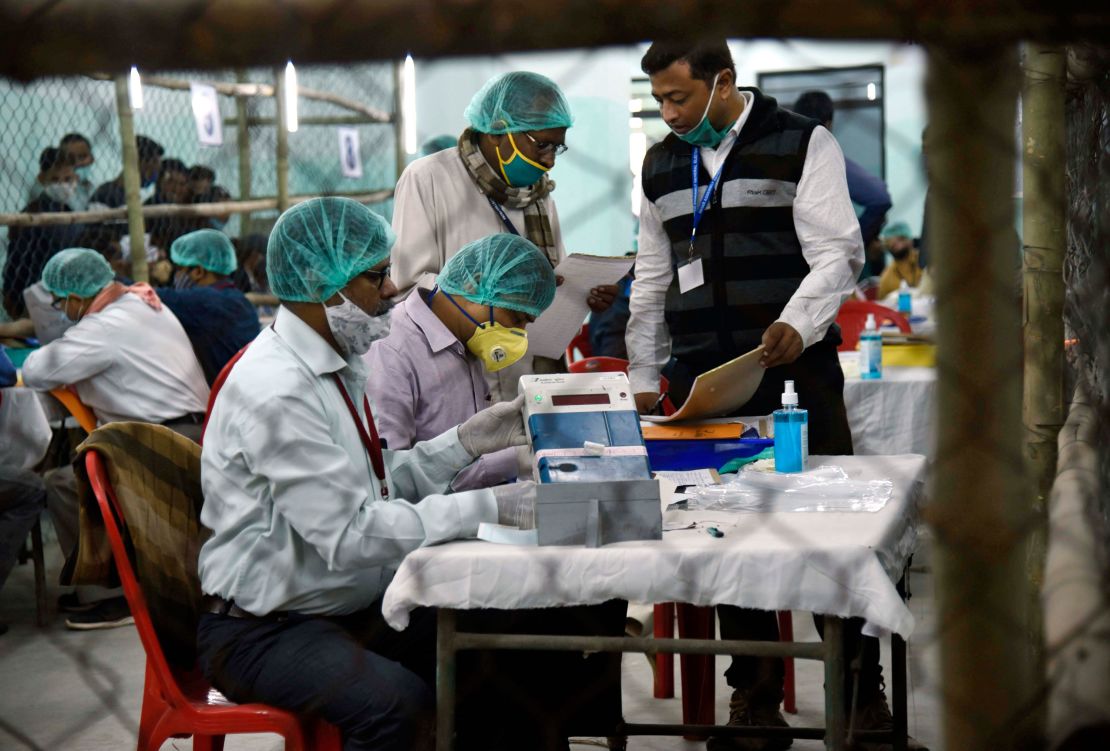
751	257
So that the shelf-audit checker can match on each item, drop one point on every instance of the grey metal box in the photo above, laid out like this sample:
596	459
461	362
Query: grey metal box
598	513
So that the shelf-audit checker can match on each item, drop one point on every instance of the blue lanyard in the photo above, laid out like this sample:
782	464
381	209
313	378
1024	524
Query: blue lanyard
699	207
504	217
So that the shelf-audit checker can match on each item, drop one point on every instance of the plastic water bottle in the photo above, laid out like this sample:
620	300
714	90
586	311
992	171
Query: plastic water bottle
791	433
905	299
870	350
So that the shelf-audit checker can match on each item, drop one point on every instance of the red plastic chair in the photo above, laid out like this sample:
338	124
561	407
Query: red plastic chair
853	316
179	704
216	386
580	342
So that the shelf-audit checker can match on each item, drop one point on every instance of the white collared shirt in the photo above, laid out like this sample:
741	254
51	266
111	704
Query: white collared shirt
127	362
827	229
290	493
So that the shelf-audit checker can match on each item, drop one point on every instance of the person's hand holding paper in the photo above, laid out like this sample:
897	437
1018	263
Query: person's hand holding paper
574	297
715	393
782	345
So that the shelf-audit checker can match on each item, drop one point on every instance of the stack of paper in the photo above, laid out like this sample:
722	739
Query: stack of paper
553	330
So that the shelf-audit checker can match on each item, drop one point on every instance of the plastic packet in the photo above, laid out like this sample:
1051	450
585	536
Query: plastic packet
826	488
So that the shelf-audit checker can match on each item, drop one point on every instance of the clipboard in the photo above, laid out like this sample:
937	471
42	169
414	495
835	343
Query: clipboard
720	391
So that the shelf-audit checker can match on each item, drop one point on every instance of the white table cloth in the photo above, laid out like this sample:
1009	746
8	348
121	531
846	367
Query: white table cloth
24	427
843	564
895	414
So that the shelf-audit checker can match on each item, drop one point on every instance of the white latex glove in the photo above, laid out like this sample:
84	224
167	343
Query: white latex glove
516	504
494	428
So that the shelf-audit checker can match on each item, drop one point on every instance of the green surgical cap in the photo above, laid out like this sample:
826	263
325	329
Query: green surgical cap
206	248
80	272
518	101
318	246
898	229
505	271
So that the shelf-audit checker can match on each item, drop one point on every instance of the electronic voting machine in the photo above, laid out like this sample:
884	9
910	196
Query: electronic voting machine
589	460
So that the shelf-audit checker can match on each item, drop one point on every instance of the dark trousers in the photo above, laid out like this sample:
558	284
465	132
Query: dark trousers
819	382
356	672
374	683
22	499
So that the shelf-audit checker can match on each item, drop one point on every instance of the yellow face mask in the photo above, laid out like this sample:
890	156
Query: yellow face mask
518	170
495	345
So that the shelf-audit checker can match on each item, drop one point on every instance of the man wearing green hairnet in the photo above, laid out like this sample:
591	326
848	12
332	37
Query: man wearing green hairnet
128	359
494	180
311	514
217	316
429	373
898	241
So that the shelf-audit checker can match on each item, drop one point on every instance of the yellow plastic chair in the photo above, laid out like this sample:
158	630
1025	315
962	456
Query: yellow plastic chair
69	399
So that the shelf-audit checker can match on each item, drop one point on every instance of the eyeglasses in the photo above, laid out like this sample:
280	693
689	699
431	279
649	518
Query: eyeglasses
58	303
377	277
547	147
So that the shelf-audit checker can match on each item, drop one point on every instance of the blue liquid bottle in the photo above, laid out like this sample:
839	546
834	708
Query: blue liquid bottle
905	299
870	350
791	433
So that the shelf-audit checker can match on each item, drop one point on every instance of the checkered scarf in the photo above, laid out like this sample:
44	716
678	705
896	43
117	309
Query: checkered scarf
155	474
537	224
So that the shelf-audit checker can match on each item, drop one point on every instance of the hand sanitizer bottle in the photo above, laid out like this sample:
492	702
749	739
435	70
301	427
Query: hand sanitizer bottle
791	433
905	300
870	350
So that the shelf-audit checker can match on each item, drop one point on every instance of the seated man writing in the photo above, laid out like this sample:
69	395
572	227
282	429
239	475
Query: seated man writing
128	359
218	318
310	514
427	375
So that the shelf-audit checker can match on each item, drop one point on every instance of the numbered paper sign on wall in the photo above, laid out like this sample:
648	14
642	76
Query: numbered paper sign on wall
206	113
349	157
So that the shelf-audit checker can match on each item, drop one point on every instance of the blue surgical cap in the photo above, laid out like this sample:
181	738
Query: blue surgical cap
518	101
897	229
207	248
505	271
317	247
80	272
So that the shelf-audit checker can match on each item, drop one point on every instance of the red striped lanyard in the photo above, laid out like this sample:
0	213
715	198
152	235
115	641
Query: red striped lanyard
371	441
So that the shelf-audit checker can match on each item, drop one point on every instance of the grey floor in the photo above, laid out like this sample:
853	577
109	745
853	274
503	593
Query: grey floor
62	690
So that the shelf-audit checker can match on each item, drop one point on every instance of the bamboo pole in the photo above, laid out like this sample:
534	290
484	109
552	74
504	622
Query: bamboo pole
177	34
233	122
131	182
980	505
282	160
1044	232
1044	228
243	142
248	89
179	209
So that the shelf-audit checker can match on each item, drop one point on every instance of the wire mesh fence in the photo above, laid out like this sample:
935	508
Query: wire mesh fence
38	115
61	153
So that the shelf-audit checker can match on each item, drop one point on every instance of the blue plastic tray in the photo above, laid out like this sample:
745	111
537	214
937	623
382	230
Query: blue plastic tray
672	455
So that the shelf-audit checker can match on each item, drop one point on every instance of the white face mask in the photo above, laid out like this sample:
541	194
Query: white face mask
354	329
61	192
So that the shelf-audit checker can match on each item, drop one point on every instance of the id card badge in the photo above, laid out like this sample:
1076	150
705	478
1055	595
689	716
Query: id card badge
690	276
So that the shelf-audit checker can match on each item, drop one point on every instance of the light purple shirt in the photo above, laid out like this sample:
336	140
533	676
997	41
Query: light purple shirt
423	382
